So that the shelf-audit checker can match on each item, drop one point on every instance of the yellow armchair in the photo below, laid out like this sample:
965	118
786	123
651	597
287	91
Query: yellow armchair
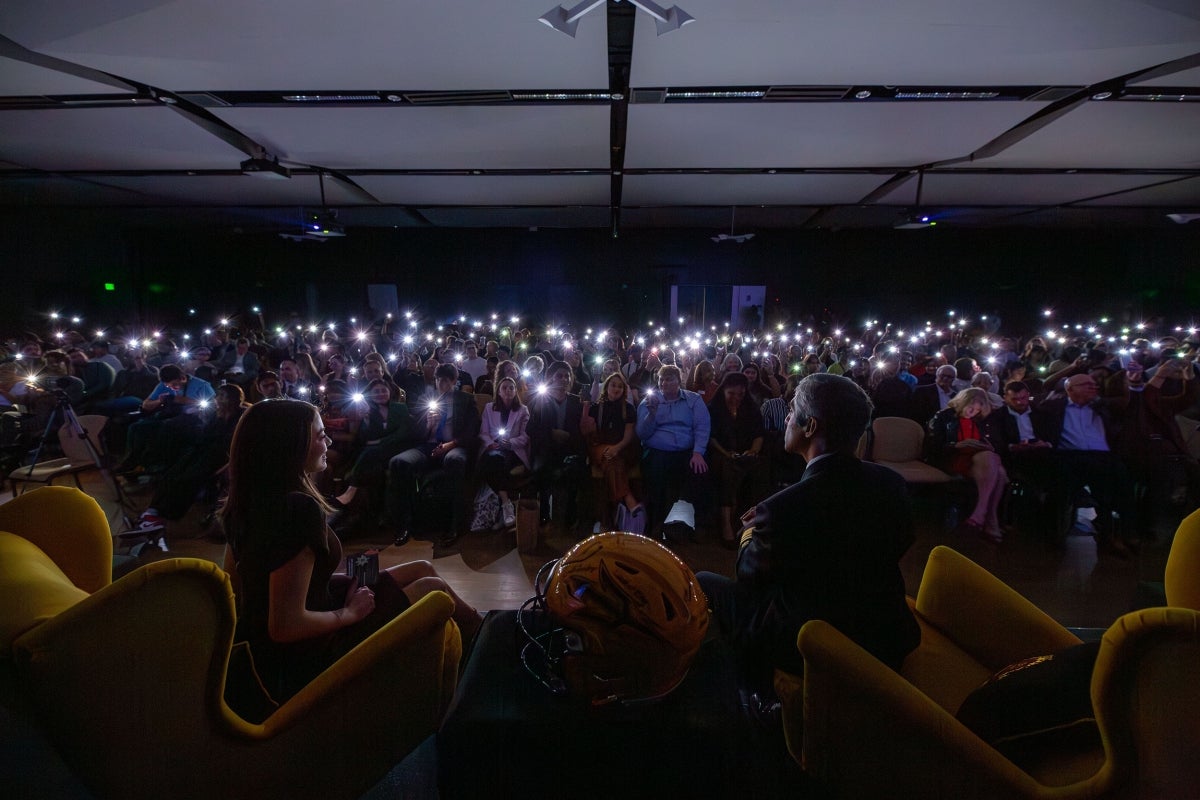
870	732
128	678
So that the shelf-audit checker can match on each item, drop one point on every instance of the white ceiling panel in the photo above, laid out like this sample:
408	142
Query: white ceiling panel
19	78
1184	193
1187	77
727	190
554	137
991	190
132	137
813	134
53	191
488	190
929	42
314	44
1111	135
242	189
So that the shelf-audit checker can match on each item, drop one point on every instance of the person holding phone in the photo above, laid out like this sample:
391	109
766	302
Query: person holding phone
296	614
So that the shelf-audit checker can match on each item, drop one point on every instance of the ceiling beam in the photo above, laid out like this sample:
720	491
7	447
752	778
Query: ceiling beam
621	20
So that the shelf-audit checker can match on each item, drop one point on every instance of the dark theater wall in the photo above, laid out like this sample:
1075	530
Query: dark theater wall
590	277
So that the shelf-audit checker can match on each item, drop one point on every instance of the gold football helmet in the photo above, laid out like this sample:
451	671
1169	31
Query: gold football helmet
627	618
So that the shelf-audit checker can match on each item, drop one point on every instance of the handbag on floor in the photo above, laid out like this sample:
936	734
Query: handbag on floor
487	509
528	521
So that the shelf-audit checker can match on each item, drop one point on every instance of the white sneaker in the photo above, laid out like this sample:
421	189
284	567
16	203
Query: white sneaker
510	514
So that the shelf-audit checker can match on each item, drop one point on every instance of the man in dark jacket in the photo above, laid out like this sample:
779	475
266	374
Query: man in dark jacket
556	445
449	421
827	547
1081	427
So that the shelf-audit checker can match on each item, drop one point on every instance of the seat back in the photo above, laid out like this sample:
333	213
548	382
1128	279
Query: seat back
74	448
1182	577
896	439
481	401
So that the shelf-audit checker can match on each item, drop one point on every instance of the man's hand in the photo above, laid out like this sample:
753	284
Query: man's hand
698	464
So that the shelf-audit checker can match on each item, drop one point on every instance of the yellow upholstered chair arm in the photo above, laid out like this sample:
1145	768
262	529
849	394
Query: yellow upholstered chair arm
982	615
138	663
1146	697
70	527
140	666
1182	577
360	717
870	733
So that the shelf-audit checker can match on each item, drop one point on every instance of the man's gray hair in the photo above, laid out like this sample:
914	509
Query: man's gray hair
839	403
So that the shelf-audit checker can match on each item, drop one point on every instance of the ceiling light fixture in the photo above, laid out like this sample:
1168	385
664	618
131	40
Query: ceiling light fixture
722	94
730	237
918	219
566	20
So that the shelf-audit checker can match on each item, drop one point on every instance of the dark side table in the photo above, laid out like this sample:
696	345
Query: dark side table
506	735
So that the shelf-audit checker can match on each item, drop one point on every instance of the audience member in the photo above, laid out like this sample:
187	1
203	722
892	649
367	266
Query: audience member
673	426
198	464
384	431
734	450
447	430
556	442
962	442
1080	426
504	440
612	449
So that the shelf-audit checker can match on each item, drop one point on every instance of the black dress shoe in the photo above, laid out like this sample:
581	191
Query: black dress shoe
402	537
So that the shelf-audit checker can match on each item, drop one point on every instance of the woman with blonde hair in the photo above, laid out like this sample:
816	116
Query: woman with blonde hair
962	442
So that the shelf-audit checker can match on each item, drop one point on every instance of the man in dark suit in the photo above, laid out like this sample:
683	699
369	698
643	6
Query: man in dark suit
450	422
1030	458
556	444
931	398
827	547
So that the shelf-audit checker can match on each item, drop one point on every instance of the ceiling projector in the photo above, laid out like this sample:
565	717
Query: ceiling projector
915	221
728	237
319	227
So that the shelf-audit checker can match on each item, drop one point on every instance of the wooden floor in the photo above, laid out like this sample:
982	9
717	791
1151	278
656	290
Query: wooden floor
1072	584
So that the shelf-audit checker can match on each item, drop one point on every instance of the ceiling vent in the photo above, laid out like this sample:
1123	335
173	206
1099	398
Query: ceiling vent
1052	93
795	94
648	96
456	98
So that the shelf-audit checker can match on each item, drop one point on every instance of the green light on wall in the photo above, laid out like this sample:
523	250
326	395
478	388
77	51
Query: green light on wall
110	287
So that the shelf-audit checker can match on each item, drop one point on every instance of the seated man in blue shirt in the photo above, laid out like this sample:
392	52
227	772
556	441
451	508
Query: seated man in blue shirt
1079	427
673	426
171	421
